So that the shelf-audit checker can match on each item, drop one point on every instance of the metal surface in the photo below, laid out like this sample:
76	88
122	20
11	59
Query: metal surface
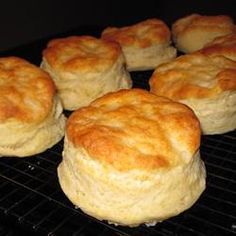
30	195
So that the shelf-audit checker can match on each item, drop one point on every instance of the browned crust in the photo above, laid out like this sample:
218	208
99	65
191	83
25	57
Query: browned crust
133	129
182	78
143	34
81	54
223	45
26	92
204	23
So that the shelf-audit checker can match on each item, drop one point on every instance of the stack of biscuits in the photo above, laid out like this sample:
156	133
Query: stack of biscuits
130	156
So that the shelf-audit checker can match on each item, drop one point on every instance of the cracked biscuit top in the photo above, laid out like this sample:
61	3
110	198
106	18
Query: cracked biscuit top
81	54
143	34
134	129
26	91
194	76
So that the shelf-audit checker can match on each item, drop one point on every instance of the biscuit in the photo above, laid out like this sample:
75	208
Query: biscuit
31	118
222	46
206	84
146	44
85	68
127	153
193	32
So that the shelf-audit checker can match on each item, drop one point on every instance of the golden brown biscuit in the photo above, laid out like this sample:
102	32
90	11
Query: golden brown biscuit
145	44
222	46
84	68
193	32
206	84
127	153
31	118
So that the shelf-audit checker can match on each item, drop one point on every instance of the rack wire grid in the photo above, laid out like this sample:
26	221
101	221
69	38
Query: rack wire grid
32	200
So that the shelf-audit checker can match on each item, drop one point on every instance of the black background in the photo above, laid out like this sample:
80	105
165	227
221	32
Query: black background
23	21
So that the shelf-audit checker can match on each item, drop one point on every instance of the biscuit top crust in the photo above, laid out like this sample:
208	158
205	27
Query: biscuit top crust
26	91
81	54
134	129
205	23
223	45
194	76
142	35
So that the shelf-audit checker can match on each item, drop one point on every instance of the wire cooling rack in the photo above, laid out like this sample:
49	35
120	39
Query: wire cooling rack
32	200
